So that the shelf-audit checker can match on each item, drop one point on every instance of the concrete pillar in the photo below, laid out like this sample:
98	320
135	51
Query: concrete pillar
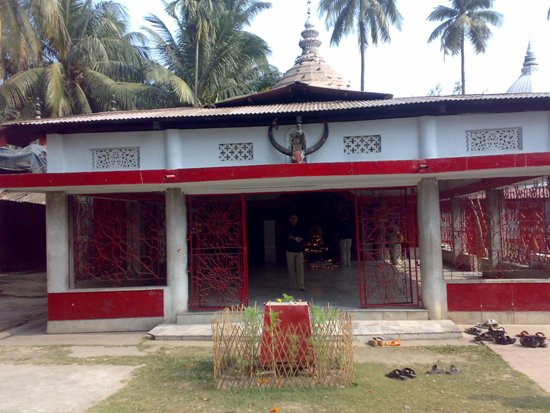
174	150
495	203
434	295
177	293
458	242
427	137
57	242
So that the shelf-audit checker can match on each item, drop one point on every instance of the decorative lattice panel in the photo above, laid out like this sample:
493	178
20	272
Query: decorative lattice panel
118	242
236	151
494	140
388	268
218	252
116	158
356	145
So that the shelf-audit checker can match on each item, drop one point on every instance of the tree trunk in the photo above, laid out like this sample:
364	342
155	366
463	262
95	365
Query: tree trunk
462	69
362	44
196	87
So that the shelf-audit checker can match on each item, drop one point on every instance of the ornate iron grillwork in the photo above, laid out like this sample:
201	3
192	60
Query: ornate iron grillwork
236	151
117	242
388	268
502	235
219	273
115	158
494	140
354	145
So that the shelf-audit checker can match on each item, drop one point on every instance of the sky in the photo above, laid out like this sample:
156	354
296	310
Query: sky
408	65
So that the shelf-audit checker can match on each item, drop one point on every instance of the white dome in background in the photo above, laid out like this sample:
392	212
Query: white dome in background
530	80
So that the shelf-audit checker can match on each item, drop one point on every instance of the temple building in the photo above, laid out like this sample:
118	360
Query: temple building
154	215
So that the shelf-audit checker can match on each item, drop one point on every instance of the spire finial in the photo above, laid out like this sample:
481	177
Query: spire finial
113	107
308	9
530	62
37	109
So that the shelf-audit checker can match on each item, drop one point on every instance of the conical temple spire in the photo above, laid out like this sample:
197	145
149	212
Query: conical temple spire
527	82
310	67
530	64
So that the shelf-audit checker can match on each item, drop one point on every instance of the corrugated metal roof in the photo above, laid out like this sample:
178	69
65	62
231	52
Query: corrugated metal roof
22	197
279	108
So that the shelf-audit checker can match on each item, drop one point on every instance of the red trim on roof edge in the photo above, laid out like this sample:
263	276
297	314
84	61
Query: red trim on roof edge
162	176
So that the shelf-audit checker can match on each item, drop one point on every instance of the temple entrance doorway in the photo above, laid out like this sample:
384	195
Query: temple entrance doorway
327	282
238	248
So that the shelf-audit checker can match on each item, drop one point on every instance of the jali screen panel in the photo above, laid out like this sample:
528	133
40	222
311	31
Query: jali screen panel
118	242
218	264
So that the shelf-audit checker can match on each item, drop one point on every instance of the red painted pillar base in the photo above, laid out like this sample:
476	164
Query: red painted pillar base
286	335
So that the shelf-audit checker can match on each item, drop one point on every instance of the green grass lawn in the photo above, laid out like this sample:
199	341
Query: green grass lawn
180	379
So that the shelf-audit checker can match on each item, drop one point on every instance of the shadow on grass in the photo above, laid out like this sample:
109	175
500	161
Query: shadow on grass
533	402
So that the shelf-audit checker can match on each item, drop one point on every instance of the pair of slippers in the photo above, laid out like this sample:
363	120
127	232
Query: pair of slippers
536	340
379	342
436	370
404	374
376	341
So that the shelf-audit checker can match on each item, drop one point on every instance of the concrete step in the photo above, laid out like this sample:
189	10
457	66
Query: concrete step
205	317
362	330
370	314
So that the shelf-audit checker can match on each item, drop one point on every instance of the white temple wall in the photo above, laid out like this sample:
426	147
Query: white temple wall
452	134
361	141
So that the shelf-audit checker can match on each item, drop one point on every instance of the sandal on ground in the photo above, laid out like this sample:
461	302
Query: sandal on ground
502	339
529	341
396	374
436	370
484	337
496	331
474	331
453	370
526	341
373	342
488	323
541	341
523	334
407	371
540	335
392	343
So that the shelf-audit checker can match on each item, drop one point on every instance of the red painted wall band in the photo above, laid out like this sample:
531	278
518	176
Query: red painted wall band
498	297
431	166
105	304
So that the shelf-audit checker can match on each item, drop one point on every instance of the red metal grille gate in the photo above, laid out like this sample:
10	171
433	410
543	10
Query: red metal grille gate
218	251
498	233
386	247
118	241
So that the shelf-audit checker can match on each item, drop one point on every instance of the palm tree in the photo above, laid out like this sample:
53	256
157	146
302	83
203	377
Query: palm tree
222	62
87	57
19	45
465	19
195	15
367	18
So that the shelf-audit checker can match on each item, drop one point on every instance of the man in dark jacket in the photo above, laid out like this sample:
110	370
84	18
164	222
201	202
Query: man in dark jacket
295	253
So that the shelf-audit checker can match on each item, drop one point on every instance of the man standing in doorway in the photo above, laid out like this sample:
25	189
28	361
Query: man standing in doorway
295	253
345	234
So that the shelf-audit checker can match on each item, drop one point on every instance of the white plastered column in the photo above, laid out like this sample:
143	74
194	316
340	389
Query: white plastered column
495	202
177	293
427	137
434	295
57	242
